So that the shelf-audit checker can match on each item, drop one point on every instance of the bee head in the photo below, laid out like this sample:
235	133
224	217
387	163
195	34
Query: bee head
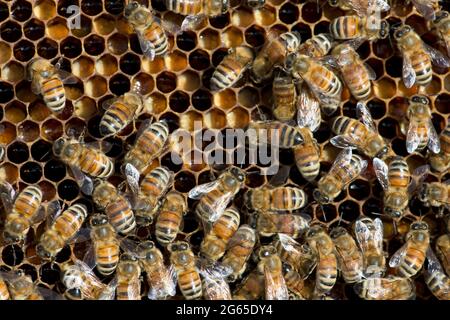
333	3
301	63
337	232
43	253
393	213
238	173
127	257
384	29
58	146
319	197
401	32
286	267
130	8
98	220
419	225
255	4
440	15
178	246
420	99
266	251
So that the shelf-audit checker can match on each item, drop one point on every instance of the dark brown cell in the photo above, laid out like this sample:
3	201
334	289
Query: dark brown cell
94	45
47	48
10	31
34	29
288	13
166	82
119	84
18	152
179	101
71	47
21	10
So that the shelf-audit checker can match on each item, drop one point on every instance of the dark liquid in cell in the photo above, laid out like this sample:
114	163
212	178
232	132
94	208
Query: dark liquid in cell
166	82
21	10
119	84
364	50
310	13
18	152
187	41
288	13
29	270
63	255
4	13
12	255
179	101
255	36
68	190
114	6
31	172
218	56
91	7
399	147
377	108
130	64
349	211
47	49
10	31
321	27
6	92
184	182
172	120
199	60
63	7
373	207
394	66
71	47
55	170
172	162
94	126
326	213
304	30
49	273
190	223
201	100
388	128
359	189
220	22
34	29
116	147
94	45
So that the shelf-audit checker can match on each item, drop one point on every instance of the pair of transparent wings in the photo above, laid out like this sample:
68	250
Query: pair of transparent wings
413	139
343	161
275	285
382	172
409	74
369	236
308	109
348	141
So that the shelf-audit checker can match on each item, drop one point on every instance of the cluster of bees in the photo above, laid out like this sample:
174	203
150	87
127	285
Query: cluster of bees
308	79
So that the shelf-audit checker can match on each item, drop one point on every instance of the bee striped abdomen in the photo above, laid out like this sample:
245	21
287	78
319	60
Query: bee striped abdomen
167	225
326	272
95	163
28	201
54	94
116	118
156	35
227	224
358	82
412	262
439	284
288	198
70	221
190	284
226	74
346	27
121	215
107	257
398	173
207	203
307	161
421	63
185	7
155	182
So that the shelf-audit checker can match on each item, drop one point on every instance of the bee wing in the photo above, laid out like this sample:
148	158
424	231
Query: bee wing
200	190
418	177
48	294
412	137
372	74
130	246
280	178
53	211
436	56
147	47
134	289
64	76
433	262
379	5
167	287
398	256
364	114
192	22
378	233
288	243
381	171
362	234
408	73
89	257
308	109
84	182
168	26
342	160
218	288
107	103
276	288
343	142
239	236
7	195
132	175
425	8
433	139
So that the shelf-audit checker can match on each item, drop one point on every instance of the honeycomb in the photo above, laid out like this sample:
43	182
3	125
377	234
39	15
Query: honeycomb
106	57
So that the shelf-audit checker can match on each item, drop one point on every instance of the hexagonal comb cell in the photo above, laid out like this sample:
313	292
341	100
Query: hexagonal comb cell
105	54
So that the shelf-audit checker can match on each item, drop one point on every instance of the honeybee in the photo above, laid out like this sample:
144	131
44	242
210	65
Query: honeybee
63	228
285	96
21	287
389	288
368	27
151	35
307	155
276	199
170	217
290	224
317	46
119	112
436	194
395	179
150	142
4	292
231	68
301	257
49	80
160	278
128	278
326	269
357	75
183	260
150	192
197	11
417	57
411	256
82	284
105	245
323	82
83	158
115	205
442	24
369	234
273	53
346	168
427	8
270	265
364	136
308	109
252	287
23	210
441	161
361	7
275	133
348	254
421	131
443	251
435	278
214	285
216	195
295	282
239	250
214	243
